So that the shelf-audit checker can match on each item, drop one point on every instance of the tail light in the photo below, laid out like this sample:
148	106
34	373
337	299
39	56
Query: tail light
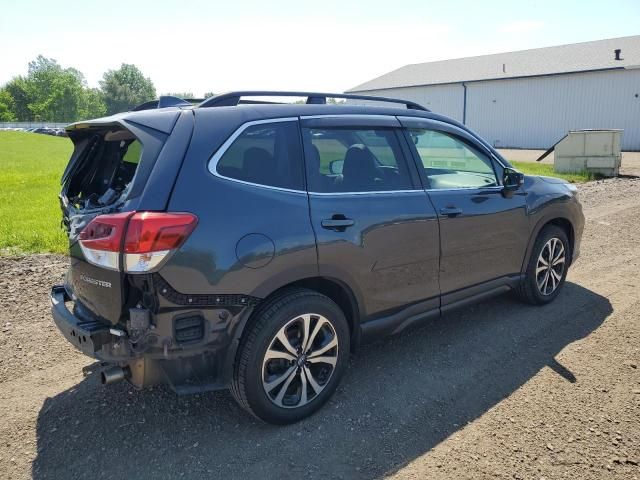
102	238
144	239
151	236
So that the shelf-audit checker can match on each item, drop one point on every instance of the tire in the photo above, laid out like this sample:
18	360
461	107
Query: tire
274	378
534	289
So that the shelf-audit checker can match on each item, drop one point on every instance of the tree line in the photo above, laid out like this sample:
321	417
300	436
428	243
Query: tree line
51	93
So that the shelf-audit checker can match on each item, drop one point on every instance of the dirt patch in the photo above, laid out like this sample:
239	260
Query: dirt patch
498	390
28	337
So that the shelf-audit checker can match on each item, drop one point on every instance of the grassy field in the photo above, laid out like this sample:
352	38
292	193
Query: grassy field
546	169
30	170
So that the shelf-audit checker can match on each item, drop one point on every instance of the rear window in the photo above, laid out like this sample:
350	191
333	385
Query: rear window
265	154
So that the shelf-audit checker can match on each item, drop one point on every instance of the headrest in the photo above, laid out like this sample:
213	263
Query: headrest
359	162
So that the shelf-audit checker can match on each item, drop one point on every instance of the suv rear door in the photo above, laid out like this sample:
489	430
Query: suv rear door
375	228
483	232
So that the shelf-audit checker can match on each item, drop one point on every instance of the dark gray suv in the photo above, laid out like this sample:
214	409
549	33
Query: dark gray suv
251	245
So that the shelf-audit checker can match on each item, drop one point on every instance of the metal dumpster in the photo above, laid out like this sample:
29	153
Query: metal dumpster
596	151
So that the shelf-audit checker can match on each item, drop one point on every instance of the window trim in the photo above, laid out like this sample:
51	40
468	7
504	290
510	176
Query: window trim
350	121
215	158
402	130
373	192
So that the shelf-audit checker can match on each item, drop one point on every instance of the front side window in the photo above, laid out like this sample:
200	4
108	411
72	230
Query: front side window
449	162
265	154
354	160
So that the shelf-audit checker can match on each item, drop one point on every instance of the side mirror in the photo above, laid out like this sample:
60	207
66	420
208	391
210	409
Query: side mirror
335	166
512	180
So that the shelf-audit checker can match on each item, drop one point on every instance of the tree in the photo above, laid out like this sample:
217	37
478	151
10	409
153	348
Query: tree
19	90
6	107
51	90
209	94
50	93
92	105
125	88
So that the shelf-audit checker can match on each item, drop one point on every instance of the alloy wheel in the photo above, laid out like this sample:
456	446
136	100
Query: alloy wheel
550	266
300	360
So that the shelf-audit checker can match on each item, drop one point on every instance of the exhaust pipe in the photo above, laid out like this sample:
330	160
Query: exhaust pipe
113	374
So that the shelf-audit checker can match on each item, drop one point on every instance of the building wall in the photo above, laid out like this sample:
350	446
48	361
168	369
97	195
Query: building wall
536	112
443	99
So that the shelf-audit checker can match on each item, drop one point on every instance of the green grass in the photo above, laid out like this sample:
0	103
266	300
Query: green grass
546	169
30	168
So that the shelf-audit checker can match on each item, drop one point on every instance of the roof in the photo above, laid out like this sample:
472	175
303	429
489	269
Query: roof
247	112
572	58
164	119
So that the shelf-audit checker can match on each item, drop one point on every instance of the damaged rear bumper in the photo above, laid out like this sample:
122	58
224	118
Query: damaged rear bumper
188	368
86	336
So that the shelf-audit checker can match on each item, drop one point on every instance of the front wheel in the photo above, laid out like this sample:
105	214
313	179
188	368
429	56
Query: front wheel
292	357
547	268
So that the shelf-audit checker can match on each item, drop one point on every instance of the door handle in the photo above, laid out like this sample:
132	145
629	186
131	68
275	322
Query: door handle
337	222
450	212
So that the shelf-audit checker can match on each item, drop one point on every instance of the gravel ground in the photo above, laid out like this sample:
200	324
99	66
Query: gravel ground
498	390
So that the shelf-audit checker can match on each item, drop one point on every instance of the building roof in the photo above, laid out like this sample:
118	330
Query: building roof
572	58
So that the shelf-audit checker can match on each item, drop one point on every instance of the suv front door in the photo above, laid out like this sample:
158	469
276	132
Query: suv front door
375	229
483	232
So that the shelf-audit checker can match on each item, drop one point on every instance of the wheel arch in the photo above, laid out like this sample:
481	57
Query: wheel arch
567	226
333	288
559	221
341	294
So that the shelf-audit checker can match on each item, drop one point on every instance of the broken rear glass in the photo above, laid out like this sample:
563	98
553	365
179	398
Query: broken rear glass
104	168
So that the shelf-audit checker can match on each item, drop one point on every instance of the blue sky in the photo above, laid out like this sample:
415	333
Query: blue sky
325	45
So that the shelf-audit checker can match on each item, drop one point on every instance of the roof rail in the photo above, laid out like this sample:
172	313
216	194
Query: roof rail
167	101
231	99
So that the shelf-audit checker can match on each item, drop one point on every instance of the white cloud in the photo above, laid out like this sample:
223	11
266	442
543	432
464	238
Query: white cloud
521	26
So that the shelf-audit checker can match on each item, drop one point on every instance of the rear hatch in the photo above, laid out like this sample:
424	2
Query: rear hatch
111	163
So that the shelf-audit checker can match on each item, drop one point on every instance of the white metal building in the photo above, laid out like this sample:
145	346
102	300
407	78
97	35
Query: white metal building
530	98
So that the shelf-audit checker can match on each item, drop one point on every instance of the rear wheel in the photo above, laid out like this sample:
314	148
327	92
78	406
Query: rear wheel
292	357
547	268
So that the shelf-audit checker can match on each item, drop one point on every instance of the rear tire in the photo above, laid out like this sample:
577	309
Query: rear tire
291	357
547	268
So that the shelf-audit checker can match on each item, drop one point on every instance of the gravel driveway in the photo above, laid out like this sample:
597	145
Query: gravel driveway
499	390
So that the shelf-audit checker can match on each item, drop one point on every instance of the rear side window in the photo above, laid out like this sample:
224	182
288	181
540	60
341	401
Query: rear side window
265	154
354	160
